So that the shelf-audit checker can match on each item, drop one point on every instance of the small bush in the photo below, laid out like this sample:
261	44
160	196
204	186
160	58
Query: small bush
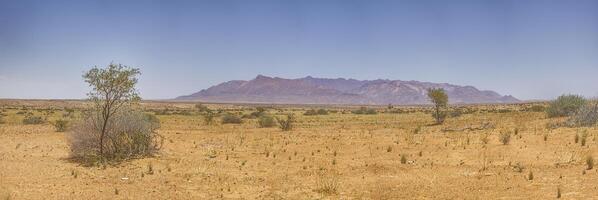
61	125
364	111
440	117
403	159
231	119
322	112
208	118
504	137
132	134
30	119
327	184
266	121
590	162
558	192
286	124
583	138
260	111
530	176
565	105
202	108
310	112
484	138
455	113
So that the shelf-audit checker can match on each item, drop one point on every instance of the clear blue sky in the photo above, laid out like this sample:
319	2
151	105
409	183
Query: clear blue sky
530	49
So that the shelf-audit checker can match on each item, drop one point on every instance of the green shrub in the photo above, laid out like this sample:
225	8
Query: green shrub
30	119
266	121
565	105
231	119
61	125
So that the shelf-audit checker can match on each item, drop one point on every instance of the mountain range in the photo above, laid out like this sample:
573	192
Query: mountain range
310	90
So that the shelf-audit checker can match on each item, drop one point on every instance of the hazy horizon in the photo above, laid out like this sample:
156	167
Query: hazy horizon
528	49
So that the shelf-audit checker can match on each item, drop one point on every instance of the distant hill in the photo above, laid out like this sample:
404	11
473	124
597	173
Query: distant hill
310	90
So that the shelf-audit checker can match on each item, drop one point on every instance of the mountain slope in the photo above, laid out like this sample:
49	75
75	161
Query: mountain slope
311	90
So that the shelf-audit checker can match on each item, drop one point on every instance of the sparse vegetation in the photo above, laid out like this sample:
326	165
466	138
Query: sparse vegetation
336	145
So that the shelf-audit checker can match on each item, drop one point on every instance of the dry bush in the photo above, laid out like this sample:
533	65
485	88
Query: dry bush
484	138
364	111
202	108
590	162
504	137
403	159
327	184
583	137
586	116
286	124
130	134
208	118
311	112
231	119
31	119
61	125
266	121
536	108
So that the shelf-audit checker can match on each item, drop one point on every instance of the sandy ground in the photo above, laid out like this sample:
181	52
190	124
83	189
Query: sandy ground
335	156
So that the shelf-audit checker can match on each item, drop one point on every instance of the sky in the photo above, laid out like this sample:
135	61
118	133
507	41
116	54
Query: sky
525	48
